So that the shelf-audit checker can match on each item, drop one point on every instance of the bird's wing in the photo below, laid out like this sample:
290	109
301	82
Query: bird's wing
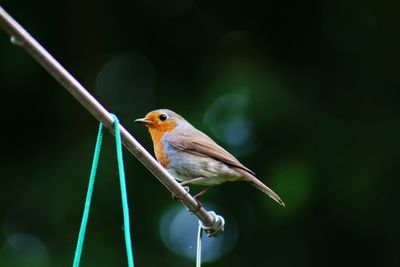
203	146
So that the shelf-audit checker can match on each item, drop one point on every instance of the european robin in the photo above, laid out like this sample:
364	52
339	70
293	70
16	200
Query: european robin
192	157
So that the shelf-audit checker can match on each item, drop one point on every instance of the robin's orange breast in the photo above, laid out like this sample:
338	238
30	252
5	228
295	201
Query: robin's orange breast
160	154
157	134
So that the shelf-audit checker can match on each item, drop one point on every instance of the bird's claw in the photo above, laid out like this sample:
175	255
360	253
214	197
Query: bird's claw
198	206
187	189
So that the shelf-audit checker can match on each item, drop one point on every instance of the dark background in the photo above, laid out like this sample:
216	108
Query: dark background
305	93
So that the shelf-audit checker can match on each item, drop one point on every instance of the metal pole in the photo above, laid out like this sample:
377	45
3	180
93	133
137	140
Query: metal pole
21	37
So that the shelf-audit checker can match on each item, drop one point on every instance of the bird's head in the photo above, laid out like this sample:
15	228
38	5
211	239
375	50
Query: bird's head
160	121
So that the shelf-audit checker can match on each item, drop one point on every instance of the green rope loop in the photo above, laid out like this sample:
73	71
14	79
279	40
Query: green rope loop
124	196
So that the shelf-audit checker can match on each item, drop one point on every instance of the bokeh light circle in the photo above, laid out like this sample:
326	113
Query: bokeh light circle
126	82
23	249
178	230
228	121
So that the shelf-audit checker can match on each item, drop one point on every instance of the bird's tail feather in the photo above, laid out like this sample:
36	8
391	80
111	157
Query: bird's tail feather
262	187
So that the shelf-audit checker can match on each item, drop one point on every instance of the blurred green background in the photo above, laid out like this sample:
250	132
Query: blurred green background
305	93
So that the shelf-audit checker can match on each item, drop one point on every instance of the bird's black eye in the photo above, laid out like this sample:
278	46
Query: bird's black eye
163	117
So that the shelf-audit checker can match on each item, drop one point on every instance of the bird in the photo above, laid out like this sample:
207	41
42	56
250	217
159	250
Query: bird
192	157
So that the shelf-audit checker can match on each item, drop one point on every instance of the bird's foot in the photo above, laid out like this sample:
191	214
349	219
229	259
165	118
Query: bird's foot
197	198
198	205
187	189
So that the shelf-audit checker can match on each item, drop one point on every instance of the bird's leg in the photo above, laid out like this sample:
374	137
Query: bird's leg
197	197
205	190
186	189
184	183
193	180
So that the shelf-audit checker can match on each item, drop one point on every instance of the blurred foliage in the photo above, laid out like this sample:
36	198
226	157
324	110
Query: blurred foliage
305	93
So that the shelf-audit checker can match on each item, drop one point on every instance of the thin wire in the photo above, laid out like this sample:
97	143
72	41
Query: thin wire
86	211
198	254
124	196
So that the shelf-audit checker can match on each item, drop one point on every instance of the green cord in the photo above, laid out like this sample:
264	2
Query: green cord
85	216
124	196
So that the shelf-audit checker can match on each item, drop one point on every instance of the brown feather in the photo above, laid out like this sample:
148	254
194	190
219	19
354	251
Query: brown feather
206	147
260	186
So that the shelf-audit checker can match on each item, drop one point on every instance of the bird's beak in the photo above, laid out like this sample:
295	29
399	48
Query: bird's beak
143	121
